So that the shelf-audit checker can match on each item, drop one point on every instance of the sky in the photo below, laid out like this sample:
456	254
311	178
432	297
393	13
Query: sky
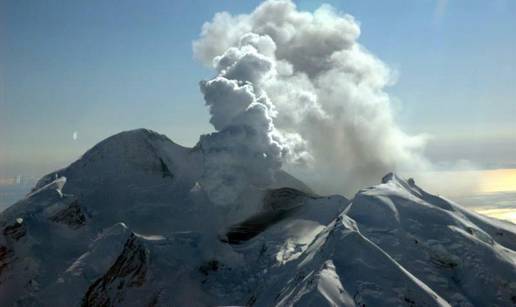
73	73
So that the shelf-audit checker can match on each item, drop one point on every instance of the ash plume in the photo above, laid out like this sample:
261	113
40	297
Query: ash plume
244	150
297	90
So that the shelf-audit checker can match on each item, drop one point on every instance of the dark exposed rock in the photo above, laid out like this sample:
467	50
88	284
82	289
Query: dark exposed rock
410	302
71	216
278	204
284	198
164	169
15	231
253	226
5	257
443	263
210	266
128	271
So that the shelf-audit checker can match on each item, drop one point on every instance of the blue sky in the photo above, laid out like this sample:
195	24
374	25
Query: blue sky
99	67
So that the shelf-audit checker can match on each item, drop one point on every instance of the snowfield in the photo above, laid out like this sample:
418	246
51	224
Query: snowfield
130	224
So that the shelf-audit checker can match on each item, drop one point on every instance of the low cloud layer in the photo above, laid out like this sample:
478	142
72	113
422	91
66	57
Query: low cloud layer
296	90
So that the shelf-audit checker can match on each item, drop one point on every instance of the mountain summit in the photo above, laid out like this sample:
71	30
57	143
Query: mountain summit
130	224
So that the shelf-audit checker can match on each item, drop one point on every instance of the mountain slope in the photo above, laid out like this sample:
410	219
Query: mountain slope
440	242
129	224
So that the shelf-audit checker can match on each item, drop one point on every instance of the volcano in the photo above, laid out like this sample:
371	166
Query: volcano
130	224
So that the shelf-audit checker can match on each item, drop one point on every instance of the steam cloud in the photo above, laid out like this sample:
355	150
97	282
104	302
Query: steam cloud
246	149
296	89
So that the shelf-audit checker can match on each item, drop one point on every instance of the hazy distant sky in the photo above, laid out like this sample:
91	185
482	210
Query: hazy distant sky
75	72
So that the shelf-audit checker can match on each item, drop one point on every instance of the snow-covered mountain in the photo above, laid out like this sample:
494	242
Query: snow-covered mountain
129	224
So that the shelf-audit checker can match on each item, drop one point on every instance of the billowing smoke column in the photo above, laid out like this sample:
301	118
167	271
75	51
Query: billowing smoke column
297	88
246	150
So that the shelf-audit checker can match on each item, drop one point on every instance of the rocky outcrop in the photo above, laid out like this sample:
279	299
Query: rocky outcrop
128	271
15	231
5	257
71	216
278	204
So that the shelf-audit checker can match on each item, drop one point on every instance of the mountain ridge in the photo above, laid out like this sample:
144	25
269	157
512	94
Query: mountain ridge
128	224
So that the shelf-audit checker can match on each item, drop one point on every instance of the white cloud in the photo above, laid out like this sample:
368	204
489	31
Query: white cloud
323	112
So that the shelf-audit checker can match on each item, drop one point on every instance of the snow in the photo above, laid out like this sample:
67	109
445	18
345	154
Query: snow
57	185
150	235
437	240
